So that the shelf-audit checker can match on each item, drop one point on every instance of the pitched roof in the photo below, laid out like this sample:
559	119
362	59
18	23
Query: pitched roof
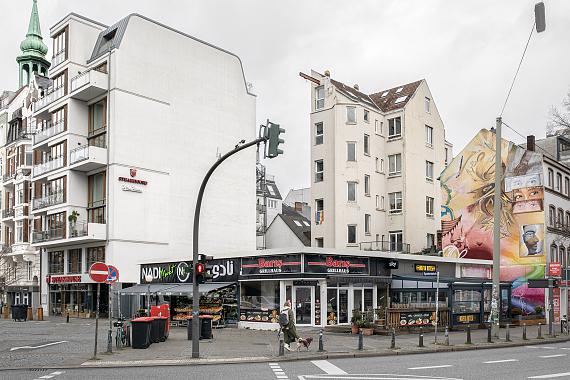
271	190
297	223
387	100
353	93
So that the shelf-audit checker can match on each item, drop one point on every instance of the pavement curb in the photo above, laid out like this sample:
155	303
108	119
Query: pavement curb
316	356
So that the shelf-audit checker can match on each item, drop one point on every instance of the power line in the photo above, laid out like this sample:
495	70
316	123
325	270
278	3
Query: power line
518	68
546	153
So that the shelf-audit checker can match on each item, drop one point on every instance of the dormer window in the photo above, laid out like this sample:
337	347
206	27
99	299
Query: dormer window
399	90
319	97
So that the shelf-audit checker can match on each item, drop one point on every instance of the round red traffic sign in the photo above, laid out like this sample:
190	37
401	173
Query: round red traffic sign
99	272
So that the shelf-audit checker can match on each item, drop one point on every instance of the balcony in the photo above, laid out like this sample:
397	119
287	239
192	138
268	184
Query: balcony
86	158
51	96
48	166
384	246
47	201
89	85
8	177
48	235
87	232
24	134
8	213
52	130
57	59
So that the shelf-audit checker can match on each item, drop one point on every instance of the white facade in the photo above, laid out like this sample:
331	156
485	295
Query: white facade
375	151
279	235
147	108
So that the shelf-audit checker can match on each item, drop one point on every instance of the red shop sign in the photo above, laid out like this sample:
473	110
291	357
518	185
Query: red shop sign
554	269
63	279
335	264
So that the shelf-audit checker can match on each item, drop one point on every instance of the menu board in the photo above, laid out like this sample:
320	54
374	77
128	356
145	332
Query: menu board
420	318
466	318
258	315
317	312
336	264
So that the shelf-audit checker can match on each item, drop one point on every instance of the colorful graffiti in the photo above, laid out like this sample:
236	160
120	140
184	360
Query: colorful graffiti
467	213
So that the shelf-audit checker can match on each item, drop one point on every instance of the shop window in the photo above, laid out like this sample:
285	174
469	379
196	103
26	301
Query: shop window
74	261
55	262
257	297
466	301
94	255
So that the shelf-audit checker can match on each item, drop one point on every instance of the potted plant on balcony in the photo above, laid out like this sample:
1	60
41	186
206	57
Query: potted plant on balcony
73	222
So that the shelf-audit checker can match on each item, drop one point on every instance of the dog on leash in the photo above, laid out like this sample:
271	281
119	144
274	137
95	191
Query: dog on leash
306	342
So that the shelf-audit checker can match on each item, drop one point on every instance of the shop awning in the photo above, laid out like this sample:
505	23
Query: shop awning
186	289
145	289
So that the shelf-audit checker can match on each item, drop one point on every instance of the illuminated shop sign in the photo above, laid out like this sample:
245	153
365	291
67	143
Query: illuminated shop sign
271	264
335	264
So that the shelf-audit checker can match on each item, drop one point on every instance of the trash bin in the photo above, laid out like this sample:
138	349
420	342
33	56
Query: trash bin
141	331
206	323
160	323
19	312
155	330
190	328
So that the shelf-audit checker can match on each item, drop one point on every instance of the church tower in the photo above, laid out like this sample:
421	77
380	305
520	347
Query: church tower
32	60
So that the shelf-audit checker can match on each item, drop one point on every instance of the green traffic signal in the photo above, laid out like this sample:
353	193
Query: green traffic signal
273	132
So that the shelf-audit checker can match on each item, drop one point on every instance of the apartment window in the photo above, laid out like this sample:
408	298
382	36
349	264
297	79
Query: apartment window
395	164
396	238
351	115
381	165
367	224
395	200
429	171
560	218
60	81
567	224
377	164
55	262
56	224
351	234
367	145
351	151
319	97
427	104
429	206
19	231
377	202
60	43
382	207
554	253
319	171
29	272
319	242
558	182
367	184
429	135
567	186
94	255
378	127
367	116
74	261
550	178
97	126
96	198
319	204
430	240
319	133
551	215
351	191
394	127
562	254
272	203
58	119
446	156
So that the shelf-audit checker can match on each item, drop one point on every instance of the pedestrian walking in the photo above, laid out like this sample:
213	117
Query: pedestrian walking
287	323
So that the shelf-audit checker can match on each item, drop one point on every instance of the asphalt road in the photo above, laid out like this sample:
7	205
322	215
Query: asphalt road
529	362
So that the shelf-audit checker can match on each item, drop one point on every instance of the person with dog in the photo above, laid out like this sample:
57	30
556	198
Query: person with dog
287	323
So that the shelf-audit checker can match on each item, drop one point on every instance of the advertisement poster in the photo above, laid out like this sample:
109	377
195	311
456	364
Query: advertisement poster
335	264
556	304
259	315
423	318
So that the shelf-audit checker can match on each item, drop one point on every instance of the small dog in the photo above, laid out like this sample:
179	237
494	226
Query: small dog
306	342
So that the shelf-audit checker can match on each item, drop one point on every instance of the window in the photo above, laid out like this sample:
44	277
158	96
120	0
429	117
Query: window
55	262
429	171
319	171
551	215
367	116
297	223
96	198
395	164
29	270
319	133
367	185
567	186
94	255
378	127
272	203
367	145
395	200
429	135
427	104
74	261
554	253
550	178
59	45
351	115
567	219
560	218
429	206
351	194
319	242
381	165
351	234
97	126
351	151
319	97
446	156
367	224
394	127
562	255
19	231
558	182
377	202
382	207
400	99
395	240
430	240
319	205
377	164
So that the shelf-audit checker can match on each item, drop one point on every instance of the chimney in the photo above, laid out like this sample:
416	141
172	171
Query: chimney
327	73
356	87
530	145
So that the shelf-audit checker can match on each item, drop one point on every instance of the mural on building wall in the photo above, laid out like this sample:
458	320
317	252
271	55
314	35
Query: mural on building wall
467	186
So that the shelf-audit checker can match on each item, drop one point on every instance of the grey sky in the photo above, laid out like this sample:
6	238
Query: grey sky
467	50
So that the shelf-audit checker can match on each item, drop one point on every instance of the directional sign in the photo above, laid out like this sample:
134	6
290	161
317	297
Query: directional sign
99	272
113	275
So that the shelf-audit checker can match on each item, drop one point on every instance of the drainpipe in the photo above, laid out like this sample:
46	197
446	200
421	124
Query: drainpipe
107	138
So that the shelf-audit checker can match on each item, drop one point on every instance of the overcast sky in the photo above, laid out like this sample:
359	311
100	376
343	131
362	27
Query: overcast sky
466	50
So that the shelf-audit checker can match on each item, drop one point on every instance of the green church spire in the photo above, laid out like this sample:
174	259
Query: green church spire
32	59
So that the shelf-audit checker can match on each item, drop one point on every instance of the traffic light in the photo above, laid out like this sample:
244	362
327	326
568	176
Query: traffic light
200	269
539	18
273	132
203	270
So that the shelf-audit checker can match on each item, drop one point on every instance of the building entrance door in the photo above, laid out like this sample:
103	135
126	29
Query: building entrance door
303	303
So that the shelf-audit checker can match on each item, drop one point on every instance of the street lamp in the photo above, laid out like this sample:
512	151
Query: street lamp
148	278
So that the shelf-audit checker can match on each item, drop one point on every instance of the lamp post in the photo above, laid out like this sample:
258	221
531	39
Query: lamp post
148	278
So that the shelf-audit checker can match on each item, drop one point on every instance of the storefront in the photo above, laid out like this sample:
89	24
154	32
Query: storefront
17	295
76	294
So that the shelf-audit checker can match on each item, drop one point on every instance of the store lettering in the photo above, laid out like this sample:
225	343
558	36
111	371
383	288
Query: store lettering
262	263
64	279
133	180
222	270
332	263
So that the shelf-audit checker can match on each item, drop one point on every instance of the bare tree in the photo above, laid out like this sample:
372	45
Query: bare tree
559	119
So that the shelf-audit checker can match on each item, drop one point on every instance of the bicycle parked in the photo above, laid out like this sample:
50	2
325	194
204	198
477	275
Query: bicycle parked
121	333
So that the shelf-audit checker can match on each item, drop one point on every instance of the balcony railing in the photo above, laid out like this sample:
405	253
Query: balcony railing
8	177
24	134
79	154
54	164
385	246
57	59
47	201
52	130
8	213
51	96
80	80
48	235
78	229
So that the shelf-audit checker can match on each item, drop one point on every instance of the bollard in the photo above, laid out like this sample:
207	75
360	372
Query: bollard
393	338
524	331
30	314
128	336
508	333
40	313
67	317
321	348
421	338
489	335
109	341
281	345
468	335
447	335
539	336
360	340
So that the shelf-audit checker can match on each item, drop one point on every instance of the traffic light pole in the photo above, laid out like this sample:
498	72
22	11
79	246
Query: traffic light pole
195	292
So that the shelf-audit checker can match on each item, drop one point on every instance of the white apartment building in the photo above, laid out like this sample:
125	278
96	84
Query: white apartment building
268	205
376	160
129	121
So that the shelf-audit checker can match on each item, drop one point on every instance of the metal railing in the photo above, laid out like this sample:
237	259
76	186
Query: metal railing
8	177
58	58
24	134
53	129
79	154
48	166
50	200
8	213
51	96
77	229
48	235
386	246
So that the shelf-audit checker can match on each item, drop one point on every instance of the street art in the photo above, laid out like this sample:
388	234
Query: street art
467	213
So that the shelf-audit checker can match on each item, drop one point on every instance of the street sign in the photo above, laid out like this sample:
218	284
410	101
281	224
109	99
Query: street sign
541	283
554	269
113	275
99	272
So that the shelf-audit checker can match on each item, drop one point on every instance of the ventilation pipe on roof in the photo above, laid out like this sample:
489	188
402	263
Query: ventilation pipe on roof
327	73
530	143
356	87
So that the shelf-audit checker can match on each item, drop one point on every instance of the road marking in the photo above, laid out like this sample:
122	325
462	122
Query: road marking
277	371
53	374
373	377
501	361
34	347
552	356
433	366
328	367
553	375
543	347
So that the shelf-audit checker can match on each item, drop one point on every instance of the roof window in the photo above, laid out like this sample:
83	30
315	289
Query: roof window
298	223
399	90
384	94
400	99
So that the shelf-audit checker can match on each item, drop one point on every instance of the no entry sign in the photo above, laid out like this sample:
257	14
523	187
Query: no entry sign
99	272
